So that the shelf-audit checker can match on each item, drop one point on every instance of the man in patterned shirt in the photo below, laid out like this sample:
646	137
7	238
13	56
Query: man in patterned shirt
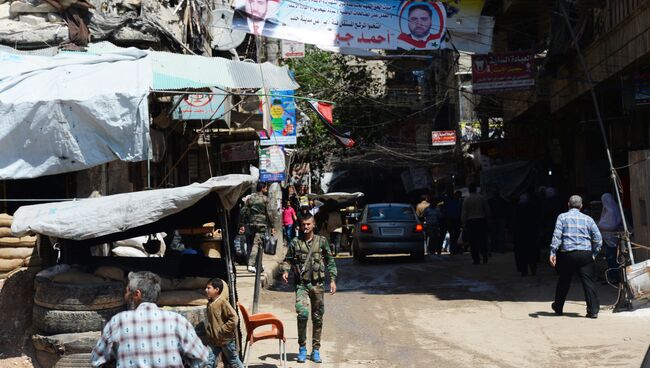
575	245
145	335
309	274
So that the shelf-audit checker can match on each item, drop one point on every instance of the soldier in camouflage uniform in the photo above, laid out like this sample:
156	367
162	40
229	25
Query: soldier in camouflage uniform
309	276
256	218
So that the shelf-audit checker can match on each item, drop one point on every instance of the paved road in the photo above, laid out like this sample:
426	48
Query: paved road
446	312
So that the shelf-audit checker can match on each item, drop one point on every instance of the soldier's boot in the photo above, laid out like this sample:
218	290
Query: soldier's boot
302	354
315	356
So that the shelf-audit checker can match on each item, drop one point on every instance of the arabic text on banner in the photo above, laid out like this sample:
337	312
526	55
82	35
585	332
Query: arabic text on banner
389	24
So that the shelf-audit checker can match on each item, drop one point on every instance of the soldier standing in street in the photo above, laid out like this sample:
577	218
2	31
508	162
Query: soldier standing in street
307	257
257	218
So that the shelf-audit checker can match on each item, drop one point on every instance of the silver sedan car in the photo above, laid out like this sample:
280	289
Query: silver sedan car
388	228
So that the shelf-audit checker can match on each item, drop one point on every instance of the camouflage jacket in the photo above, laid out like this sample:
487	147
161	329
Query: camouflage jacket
256	211
315	268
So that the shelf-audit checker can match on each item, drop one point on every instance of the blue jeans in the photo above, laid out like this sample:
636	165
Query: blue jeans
229	350
288	231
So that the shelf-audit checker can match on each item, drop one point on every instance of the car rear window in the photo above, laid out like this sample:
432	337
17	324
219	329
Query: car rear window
390	214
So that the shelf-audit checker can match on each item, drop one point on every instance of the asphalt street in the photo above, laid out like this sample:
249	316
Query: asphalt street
446	312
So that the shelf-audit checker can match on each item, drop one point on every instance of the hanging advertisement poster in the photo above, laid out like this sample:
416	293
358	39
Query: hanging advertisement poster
272	164
494	73
443	138
201	107
470	131
388	24
282	115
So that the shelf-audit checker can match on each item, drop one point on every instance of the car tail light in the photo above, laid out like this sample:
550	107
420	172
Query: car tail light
419	228
365	228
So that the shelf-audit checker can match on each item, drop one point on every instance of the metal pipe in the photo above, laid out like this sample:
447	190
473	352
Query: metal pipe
626	233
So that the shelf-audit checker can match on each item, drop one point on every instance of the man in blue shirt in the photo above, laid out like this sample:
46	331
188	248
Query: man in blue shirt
575	245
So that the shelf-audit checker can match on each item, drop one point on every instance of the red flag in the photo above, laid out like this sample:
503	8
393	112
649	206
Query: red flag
325	113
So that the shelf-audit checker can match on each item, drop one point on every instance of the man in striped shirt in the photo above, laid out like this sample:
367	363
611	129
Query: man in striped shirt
145	335
575	245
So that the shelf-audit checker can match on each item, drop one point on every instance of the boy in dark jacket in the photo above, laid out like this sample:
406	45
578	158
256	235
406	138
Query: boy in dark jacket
222	321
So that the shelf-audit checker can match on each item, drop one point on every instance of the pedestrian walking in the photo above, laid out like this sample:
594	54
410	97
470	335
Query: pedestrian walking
221	324
451	211
433	224
576	243
257	219
145	335
525	239
308	257
289	219
610	225
475	215
420	207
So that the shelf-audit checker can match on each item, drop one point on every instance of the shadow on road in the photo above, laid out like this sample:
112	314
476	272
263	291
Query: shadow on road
552	314
453	277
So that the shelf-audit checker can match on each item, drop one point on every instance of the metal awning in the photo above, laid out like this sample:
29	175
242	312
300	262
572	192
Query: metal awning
178	71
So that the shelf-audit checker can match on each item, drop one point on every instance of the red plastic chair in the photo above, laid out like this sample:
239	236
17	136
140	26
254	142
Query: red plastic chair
254	321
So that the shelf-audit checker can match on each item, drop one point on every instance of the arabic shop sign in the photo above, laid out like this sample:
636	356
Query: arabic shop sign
443	138
272	164
494	73
292	49
389	24
201	107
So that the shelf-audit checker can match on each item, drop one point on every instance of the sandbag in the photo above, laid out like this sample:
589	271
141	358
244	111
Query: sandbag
77	277
5	231
182	297
25	241
128	252
15	253
6	220
7	265
110	273
191	283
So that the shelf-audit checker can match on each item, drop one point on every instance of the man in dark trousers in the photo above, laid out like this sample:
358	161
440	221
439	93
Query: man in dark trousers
475	215
575	245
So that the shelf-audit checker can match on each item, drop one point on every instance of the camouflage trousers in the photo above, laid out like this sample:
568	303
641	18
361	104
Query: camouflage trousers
258	241
307	294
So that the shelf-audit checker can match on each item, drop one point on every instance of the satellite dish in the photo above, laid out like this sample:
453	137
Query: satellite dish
223	36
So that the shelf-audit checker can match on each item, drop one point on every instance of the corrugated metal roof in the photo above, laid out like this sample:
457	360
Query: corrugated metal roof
178	71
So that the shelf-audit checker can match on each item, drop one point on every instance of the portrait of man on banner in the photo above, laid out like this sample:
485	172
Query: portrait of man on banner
422	24
256	16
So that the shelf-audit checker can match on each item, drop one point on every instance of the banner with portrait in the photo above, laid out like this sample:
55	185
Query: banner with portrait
272	164
374	24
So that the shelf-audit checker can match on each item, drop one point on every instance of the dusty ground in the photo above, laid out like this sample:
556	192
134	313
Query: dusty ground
446	312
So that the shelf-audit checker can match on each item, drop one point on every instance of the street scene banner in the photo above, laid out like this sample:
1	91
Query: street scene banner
389	24
494	73
443	138
282	111
272	164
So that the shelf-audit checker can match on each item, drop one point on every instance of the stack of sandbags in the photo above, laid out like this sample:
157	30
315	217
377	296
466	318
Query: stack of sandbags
15	252
183	292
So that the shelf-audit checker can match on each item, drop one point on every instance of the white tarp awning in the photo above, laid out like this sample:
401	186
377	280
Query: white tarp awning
95	217
72	111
